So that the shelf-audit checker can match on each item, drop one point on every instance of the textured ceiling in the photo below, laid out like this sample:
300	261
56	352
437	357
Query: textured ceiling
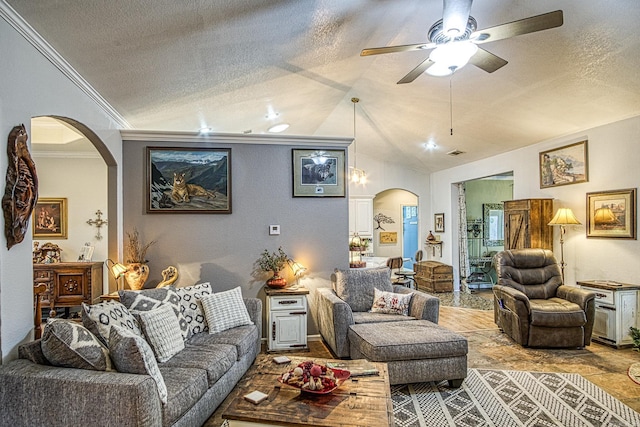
182	65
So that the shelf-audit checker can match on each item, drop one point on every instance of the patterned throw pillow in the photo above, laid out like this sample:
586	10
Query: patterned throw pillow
99	318
390	303
225	310
162	331
131	354
69	344
191	308
150	299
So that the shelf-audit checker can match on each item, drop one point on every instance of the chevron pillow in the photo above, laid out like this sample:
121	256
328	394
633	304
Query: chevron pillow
69	344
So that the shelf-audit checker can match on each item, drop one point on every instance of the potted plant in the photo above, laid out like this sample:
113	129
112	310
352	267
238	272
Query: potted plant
274	262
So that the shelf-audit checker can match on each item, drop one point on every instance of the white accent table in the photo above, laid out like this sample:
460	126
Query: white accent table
287	318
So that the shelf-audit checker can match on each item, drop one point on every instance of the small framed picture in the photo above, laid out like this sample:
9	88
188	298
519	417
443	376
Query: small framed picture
86	253
318	173
564	165
388	237
50	218
438	221
612	214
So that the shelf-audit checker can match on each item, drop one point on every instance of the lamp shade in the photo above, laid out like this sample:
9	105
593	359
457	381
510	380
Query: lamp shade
297	268
604	216
116	268
564	216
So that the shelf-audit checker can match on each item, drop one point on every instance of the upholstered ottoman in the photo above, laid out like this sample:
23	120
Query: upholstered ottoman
415	351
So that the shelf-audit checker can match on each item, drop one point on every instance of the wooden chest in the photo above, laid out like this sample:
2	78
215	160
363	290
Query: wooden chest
433	276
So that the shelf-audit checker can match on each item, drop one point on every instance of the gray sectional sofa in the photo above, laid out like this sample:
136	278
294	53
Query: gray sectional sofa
198	379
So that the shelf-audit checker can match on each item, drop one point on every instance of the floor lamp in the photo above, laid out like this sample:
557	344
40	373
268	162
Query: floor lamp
564	216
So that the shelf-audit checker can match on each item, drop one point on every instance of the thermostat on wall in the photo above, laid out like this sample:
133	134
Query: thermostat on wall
274	230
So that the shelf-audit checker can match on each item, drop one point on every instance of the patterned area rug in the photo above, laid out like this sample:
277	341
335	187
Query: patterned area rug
510	398
461	299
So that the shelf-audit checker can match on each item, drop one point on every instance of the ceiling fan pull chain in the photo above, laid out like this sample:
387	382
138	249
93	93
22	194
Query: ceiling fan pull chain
451	104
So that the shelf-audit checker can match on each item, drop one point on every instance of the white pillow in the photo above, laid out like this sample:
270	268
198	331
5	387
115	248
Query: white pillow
225	310
162	331
191	308
390	303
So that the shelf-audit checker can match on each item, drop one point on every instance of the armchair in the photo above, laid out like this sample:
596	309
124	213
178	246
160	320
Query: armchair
534	307
349	301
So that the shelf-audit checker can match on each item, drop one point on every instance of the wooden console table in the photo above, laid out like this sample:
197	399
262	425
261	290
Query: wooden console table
69	284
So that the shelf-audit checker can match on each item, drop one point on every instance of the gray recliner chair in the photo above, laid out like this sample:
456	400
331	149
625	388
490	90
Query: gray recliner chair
534	307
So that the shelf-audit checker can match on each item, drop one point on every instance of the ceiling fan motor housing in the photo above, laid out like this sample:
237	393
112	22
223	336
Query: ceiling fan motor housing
437	35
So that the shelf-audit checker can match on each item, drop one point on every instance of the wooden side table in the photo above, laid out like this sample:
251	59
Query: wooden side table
287	317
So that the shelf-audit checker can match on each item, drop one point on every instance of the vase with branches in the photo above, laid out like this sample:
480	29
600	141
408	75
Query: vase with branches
137	269
274	262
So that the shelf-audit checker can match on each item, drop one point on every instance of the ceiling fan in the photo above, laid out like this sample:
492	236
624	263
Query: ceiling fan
455	39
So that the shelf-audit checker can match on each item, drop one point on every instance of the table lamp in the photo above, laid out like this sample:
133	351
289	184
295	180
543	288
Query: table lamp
564	216
117	270
297	269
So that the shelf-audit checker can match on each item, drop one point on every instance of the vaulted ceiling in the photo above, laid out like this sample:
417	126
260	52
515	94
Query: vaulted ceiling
244	65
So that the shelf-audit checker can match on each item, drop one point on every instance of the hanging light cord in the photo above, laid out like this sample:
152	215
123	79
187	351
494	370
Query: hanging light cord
355	141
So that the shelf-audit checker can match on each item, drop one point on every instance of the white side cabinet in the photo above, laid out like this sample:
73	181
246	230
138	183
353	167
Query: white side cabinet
616	311
287	316
361	217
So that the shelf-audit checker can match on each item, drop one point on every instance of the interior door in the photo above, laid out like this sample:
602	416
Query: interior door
409	234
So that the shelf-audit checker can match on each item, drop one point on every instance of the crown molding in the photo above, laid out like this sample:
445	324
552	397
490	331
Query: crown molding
236	138
36	40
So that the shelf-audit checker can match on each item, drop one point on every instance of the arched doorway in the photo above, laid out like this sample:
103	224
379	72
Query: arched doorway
398	233
74	165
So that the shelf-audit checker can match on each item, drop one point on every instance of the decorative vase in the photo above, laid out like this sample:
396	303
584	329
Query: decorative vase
136	274
276	281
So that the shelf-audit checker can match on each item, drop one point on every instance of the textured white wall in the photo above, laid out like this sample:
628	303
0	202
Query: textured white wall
613	164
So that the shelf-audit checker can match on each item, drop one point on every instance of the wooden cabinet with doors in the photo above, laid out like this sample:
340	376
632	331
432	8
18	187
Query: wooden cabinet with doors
525	224
361	217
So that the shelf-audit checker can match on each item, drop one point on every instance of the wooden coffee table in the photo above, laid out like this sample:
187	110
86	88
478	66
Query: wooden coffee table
360	401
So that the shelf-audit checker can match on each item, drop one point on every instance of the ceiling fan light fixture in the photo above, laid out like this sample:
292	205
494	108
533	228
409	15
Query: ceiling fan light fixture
278	128
454	54
440	70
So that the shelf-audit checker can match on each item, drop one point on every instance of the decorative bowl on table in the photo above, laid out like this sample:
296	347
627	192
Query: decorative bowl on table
315	378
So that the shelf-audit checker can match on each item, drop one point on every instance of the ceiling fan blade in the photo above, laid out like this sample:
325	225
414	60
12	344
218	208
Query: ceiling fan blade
487	61
455	15
392	49
415	73
516	28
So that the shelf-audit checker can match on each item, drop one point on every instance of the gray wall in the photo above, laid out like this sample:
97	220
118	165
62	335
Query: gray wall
222	249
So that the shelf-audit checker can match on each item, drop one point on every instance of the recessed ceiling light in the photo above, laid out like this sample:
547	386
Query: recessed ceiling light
206	130
278	128
430	145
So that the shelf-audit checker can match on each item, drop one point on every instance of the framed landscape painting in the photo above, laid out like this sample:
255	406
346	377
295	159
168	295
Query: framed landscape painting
50	218
612	214
318	173
565	165
188	180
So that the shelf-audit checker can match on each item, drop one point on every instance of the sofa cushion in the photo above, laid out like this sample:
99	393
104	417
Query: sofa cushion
185	387
191	308
99	318
225	310
368	317
162	331
244	338
150	299
356	286
130	353
215	359
69	344
556	312
390	303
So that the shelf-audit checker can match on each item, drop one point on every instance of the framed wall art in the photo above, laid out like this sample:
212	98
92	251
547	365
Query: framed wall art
612	214
188	180
388	237
438	221
318	173
50	218
564	165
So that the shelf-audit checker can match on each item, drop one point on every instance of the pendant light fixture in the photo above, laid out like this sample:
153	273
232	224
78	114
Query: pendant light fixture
358	176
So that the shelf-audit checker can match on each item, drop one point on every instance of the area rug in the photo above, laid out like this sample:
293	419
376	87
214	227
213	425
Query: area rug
461	299
510	398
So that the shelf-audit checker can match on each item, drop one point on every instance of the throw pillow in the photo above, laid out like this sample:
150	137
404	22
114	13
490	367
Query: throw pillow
162	331
356	286
99	318
390	303
150	299
131	354
225	310
70	345
191	308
